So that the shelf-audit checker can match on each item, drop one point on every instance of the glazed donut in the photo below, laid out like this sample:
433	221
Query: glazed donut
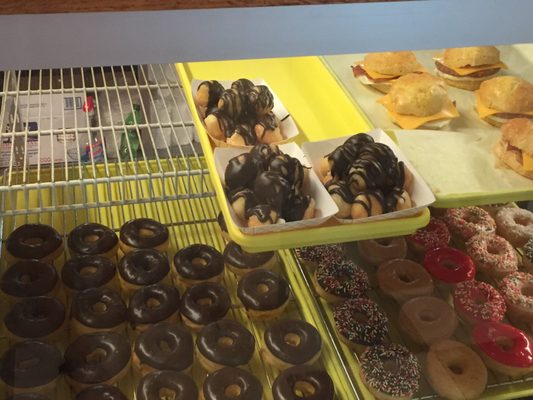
197	263
33	241
303	382
97	358
101	392
39	318
455	371
143	233
476	301
503	348
240	262
335	282
290	342
527	256
517	290
515	225
29	278
468	221
92	239
86	272
432	236
163	346
377	251
426	320
263	293
404	279
231	383
449	266
143	267
204	303
223	226
152	304
162	385
31	366
492	254
224	343
98	309
390	371
314	255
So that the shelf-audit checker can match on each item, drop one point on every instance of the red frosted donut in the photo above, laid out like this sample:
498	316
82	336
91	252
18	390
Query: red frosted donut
504	348
476	301
517	290
432	236
449	265
468	221
492	254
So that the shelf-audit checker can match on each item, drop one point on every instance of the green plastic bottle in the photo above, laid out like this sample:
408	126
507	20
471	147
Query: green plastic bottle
133	118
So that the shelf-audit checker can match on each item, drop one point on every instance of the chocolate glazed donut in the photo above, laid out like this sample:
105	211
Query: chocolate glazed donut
198	262
91	239
153	303
240	261
34	241
313	382
231	383
263	292
144	233
204	303
101	392
178	385
143	267
86	272
29	278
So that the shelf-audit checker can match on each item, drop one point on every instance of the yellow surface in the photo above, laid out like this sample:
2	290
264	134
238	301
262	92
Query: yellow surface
321	111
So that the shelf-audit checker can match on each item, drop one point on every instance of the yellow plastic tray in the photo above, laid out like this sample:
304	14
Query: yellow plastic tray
321	110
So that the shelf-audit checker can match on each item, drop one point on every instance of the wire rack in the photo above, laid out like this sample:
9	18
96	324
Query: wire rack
47	134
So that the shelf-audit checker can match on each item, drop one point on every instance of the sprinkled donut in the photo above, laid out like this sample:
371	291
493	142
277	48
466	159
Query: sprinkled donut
468	221
517	290
336	281
476	301
515	225
390	371
432	236
527	257
492	254
313	255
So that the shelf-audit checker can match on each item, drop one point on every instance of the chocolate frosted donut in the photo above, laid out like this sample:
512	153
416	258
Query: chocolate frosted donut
153	303
30	364
198	262
101	392
143	267
263	293
29	396
34	241
29	278
35	318
241	262
86	272
295	383
163	346
143	233
91	239
231	383
98	309
102	357
224	343
204	303
178	385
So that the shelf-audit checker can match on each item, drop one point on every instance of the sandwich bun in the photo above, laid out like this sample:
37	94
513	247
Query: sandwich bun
518	133
471	56
508	94
418	94
394	63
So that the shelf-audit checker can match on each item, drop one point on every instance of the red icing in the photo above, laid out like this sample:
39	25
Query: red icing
485	335
432	236
438	262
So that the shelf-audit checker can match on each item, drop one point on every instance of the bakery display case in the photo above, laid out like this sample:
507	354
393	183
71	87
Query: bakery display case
127	270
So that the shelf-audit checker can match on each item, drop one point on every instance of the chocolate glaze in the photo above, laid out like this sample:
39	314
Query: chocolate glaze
28	278
263	212
235	256
19	243
339	161
364	199
270	188
231	103
252	296
185	267
181	385
165	346
115	357
30	363
245	131
222	222
130	233
142	311
263	153
310	342
341	189
284	385
354	142
29	396
289	168
391	200
78	243
216	384
87	272
296	208
246	194
101	392
225	123
203	313
240	172
215	91
265	100
365	174
269	122
35	317
243	85
237	351
86	308
144	267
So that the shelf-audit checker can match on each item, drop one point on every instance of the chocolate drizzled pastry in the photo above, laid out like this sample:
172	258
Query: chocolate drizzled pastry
263	154
271	188
243	85
289	168
231	103
263	212
265	100
241	201
240	172
296	207
245	132
341	189
208	93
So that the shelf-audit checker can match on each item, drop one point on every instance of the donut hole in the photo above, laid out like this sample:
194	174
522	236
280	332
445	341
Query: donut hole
25	278
521	220
493	248
292	339
33	241
198	262
91	238
28	363
88	270
456	369
263	288
146	233
527	290
504	343
205	301
427	316
391	366
99	307
384	242
449	264
167	394
405	277
165	346
232	391
303	389
97	356
473	219
479	300
360	318
225	341
152	302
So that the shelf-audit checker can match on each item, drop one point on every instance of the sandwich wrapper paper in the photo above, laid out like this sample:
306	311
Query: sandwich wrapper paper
325	207
421	193
288	127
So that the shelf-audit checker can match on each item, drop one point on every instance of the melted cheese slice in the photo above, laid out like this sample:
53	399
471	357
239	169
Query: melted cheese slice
469	70
527	162
485	111
377	75
412	122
